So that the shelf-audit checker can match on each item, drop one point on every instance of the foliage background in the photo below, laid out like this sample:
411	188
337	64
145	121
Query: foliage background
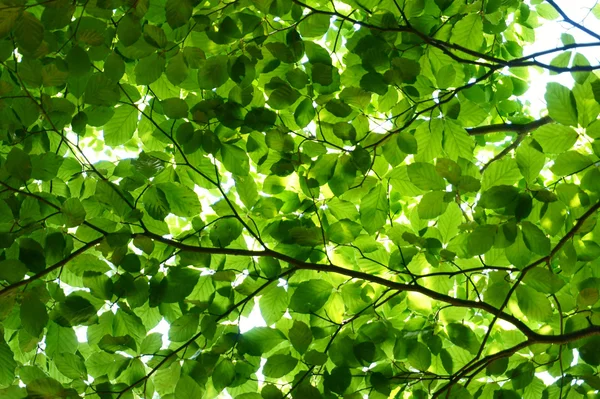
323	162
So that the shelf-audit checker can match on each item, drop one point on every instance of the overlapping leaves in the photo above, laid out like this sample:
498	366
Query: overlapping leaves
169	169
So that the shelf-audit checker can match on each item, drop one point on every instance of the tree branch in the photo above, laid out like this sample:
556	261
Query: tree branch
301	265
571	22
559	339
52	268
504	152
509	127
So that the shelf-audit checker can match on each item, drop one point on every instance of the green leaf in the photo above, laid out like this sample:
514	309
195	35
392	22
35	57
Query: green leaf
182	200
260	119
156	204
279	365
374	209
570	162
589	351
498	197
152	343
463	337
481	239
18	164
114	67
591	180
530	161
305	113
338	108
344	231
561	104
34	315
449	221
73	211
260	340
247	190
225	231
212	72
101	90
310	296
546	11
424	176
111	344
517	253
344	131
497	367
187	387
273	304
76	310
503	172
45	166
60	340
12	270
175	108
534	305
315	25
270	267
555	138
457	141
419	356
432	205
235	160
339	380
522	375
8	20
177	69
535	239
374	82
300	336
8	365
129	29
283	97
407	143
543	280
223	375
70	365
184	327
121	126
149	69
32	254
78	61
29	32
178	12
468	32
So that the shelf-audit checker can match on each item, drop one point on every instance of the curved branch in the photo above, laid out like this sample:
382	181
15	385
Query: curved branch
301	265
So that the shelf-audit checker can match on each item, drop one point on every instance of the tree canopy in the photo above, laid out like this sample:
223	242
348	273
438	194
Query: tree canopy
365	175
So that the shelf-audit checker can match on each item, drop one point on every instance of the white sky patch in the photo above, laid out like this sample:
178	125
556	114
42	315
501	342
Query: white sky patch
163	328
254	319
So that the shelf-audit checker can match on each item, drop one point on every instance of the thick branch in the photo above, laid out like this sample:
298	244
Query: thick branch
301	265
520	128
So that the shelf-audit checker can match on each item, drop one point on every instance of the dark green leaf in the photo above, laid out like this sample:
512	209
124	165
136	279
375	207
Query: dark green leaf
310	296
